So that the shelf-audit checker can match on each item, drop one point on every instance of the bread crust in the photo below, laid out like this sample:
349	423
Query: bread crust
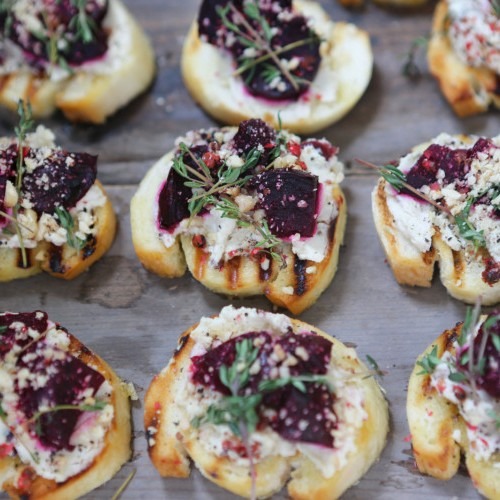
292	287
460	271
170	450
434	421
115	453
468	90
385	3
87	97
207	74
62	262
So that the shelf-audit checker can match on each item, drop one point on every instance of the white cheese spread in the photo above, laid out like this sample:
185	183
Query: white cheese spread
475	32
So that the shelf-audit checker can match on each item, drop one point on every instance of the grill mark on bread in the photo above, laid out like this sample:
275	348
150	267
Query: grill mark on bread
20	259
265	275
56	259
200	263
89	248
180	346
458	262
232	272
299	268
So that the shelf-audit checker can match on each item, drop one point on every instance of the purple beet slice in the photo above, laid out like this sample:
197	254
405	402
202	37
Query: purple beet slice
8	158
67	379
61	180
289	198
254	134
296	416
260	79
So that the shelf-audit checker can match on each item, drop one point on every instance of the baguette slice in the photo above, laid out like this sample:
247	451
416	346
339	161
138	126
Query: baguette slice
89	95
20	480
347	63
295	287
438	431
460	271
173	440
469	90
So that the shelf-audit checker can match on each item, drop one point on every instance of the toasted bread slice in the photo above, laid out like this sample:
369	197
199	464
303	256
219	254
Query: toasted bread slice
173	440
20	480
296	287
461	271
347	62
469	90
63	261
94	91
438	430
386	3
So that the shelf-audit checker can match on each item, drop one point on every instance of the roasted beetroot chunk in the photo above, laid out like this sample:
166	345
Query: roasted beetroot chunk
264	79
173	201
254	134
291	408
64	17
289	198
62	180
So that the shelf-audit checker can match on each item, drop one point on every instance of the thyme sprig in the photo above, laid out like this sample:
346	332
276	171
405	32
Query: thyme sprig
25	124
397	179
97	406
67	222
83	24
209	190
253	39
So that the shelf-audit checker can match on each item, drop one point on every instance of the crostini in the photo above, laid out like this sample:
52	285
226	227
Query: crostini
258	400
87	59
54	214
248	210
253	59
441	204
454	403
64	414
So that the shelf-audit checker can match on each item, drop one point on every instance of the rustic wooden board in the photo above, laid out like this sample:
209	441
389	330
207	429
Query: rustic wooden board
132	318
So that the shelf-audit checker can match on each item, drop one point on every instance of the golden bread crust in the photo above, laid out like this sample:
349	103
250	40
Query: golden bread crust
469	90
85	96
115	453
292	287
347	51
63	262
171	449
434	421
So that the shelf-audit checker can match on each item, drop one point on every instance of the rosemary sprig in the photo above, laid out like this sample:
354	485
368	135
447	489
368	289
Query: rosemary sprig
97	406
67	222
397	180
296	380
410	68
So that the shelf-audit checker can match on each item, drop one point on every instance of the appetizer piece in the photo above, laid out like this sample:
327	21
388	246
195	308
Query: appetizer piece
248	210
88	58
441	203
253	58
54	215
384	3
64	414
257	400
454	403
464	54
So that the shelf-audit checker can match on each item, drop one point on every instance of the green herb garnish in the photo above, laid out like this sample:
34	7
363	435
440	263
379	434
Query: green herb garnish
67	222
410	68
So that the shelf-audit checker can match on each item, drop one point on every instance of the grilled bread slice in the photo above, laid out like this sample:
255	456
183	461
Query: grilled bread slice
20	479
469	90
173	439
296	286
343	76
94	90
63	250
464	271
438	430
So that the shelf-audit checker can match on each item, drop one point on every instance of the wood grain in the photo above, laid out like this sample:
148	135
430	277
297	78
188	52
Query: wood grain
132	318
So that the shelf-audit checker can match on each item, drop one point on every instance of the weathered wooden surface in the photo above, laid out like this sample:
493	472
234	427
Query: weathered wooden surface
132	318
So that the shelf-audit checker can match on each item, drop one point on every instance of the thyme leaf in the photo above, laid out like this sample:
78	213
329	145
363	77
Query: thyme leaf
429	362
67	222
466	228
410	68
